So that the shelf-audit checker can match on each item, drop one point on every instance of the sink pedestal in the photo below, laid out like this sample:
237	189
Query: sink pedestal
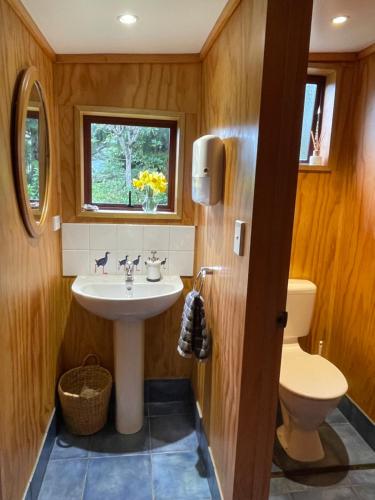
129	374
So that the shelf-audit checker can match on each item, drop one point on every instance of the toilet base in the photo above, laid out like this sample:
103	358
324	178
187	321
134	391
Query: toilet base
299	444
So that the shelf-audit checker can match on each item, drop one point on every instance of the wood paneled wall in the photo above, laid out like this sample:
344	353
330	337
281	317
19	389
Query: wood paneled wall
246	106
165	87
334	238
351	342
30	335
155	86
318	209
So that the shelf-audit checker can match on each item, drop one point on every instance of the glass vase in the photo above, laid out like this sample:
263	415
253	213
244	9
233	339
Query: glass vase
149	204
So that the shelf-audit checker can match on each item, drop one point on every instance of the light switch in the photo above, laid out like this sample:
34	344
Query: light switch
239	233
56	223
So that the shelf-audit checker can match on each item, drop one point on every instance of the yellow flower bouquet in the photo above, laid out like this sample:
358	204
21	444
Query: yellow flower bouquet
153	183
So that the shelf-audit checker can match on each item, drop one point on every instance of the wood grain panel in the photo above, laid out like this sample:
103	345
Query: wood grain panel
127	58
41	41
165	87
333	241
318	211
85	333
351	343
231	388
30	334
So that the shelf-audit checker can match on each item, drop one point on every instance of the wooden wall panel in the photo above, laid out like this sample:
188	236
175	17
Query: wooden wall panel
236	54
351	344
30	334
166	87
241	309
161	86
318	211
333	241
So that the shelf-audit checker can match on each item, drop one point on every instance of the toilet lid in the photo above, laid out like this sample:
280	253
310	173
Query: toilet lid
311	376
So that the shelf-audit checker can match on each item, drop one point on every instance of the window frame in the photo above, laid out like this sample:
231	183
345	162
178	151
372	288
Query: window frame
320	81
88	120
176	185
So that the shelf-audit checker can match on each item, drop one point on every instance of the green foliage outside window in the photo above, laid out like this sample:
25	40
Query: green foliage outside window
119	153
32	158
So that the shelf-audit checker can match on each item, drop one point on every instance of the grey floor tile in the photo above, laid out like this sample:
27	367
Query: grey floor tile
364	476
108	442
64	479
70	446
280	497
173	433
170	408
359	452
365	492
169	390
326	494
179	476
283	485
309	482
119	478
336	417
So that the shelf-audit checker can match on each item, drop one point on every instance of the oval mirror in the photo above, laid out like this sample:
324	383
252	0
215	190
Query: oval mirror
31	147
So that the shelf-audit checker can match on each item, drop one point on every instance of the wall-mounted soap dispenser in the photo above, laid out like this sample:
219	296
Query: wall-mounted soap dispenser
208	170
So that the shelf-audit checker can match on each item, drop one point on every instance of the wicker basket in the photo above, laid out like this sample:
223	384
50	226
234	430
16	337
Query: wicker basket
84	395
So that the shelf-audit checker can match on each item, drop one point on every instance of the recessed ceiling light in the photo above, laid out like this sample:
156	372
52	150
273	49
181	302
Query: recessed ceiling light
340	19
128	19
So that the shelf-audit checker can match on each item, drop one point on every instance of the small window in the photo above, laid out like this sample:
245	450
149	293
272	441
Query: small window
116	149
312	114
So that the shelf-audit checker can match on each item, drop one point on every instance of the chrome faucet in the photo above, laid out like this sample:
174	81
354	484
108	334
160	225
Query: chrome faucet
129	272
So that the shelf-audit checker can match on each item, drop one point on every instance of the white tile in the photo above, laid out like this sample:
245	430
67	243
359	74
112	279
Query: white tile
181	263
75	262
103	236
129	236
111	265
156	238
163	254
132	255
182	238
75	236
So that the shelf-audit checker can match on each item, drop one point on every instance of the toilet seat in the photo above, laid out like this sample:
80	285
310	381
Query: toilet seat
310	376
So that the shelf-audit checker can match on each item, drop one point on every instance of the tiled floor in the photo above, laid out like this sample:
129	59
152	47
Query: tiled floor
161	462
344	447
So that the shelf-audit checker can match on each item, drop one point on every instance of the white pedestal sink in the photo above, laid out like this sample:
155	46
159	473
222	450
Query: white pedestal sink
107	296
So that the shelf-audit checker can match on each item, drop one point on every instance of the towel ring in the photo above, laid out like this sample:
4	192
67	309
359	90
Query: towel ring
199	279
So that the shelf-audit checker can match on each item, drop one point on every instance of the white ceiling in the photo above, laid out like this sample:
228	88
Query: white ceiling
91	26
179	26
356	34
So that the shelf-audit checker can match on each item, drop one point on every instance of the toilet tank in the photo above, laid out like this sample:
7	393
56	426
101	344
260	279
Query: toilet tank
300	307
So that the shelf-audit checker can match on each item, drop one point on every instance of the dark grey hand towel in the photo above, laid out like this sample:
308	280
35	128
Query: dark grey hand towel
194	336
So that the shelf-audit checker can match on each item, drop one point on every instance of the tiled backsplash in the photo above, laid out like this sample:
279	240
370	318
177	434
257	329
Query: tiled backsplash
83	244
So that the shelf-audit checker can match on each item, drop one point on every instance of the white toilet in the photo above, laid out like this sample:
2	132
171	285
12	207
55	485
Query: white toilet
310	385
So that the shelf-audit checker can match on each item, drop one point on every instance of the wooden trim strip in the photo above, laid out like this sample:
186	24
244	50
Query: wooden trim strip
222	20
333	56
368	51
127	58
31	26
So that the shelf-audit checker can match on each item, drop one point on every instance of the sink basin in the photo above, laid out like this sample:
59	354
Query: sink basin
109	297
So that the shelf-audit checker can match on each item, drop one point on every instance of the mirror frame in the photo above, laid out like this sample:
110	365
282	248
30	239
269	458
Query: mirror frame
28	79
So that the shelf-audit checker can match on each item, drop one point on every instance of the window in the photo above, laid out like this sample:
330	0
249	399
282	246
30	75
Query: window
312	114
116	148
